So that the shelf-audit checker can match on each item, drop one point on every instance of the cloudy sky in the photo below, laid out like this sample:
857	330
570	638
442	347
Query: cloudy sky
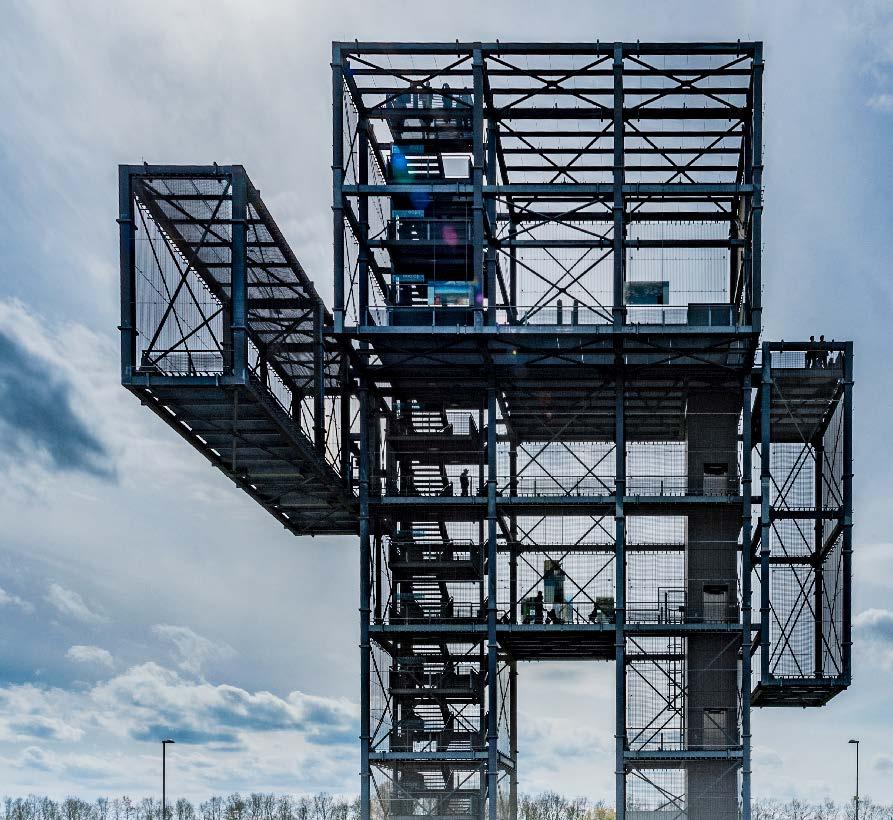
141	594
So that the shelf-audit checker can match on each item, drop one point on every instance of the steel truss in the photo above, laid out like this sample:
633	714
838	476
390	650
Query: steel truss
538	400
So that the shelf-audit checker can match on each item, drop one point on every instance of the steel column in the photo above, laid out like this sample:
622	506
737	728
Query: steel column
477	179
492	678
319	381
365	607
817	548
765	508
847	546
620	599
746	594
337	184
756	232
513	740
363	238
127	231
618	204
491	223
239	274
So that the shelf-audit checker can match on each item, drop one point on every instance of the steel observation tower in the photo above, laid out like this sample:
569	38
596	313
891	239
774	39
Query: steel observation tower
540	400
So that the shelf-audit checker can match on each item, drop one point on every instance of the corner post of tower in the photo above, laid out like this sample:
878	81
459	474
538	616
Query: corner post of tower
619	316
365	606
817	563
319	379
765	506
239	268
513	530
513	740
619	311
492	678
337	182
363	208
492	127
477	201
847	534
756	240
127	241
746	593
620	597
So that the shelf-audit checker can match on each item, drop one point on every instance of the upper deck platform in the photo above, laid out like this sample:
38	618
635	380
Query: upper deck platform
550	197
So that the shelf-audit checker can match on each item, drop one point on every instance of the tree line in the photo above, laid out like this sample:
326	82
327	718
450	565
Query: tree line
322	806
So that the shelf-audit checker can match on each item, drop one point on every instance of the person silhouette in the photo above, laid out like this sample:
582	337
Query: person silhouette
538	608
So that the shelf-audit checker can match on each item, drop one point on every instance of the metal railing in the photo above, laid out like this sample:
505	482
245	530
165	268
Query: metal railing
553	314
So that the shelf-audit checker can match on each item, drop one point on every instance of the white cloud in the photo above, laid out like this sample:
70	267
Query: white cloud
875	631
192	650
90	654
883	763
29	712
7	599
69	603
228	737
148	701
882	101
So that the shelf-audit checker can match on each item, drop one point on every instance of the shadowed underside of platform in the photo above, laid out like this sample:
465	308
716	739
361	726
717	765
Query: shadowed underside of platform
241	431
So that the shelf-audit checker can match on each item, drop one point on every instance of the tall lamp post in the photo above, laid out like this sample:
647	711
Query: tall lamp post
857	777
164	744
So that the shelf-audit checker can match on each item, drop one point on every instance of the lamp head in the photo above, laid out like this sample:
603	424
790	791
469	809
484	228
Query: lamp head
854	741
168	740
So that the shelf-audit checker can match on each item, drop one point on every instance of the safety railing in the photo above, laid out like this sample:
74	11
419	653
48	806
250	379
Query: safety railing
717	603
552	314
445	231
409	609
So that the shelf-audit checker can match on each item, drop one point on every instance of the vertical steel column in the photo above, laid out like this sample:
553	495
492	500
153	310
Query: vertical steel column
365	608
817	547
363	238
746	273
619	315
620	594
847	546
513	272
746	593
319	380
491	224
127	241
619	177
765	508
344	415
239	268
513	740
757	198
513	532
477	180
337	182
492	680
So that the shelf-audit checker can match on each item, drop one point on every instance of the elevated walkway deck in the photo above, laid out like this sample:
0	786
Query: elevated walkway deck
224	336
241	430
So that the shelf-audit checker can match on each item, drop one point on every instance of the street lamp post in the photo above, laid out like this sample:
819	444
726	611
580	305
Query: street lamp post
857	776
164	744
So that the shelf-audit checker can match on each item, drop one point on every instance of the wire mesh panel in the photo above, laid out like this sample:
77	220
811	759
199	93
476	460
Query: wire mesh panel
562	586
803	549
656	794
180	320
655	694
418	789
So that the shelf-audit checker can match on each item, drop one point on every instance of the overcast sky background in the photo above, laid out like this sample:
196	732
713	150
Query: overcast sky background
141	594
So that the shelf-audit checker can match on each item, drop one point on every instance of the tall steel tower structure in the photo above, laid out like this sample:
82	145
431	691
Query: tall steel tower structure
540	399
